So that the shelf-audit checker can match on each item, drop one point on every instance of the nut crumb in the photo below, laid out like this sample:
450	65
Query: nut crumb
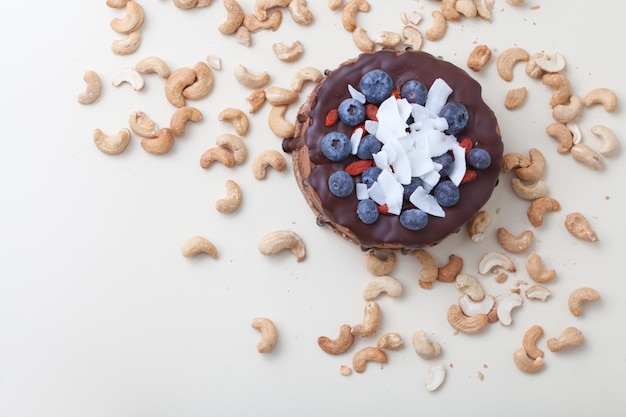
501	278
535	7
345	370
481	376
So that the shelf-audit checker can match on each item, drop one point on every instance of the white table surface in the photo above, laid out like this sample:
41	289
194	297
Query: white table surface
101	315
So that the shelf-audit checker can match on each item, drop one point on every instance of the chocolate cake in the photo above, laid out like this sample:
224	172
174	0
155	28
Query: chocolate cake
421	124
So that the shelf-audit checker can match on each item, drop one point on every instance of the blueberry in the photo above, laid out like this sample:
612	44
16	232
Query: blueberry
351	112
446	193
376	86
414	219
367	210
340	184
446	161
414	92
336	146
370	175
411	187
456	115
367	146
478	158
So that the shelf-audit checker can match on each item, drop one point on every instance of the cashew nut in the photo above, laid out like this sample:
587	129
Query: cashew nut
250	80
532	69
141	125
439	27
281	240
372	316
465	324
362	40
217	154
512	243
379	263
127	45
570	337
412	37
92	90
424	347
435	377
577	135
536	271
387	39
185	4
539	207
529	191
160	145
390	341
382	284
479	57
265	159
345	370
153	65
130	76
551	63
563	135
561	86
529	342
506	306
262	6
525	363
484	8
578	297
608	140
566	113
255	100
176	83
117	4
579	227
278	96
515	98
235	145
507	60
234	17
348	16
203	84
215	62
429	266
269	335
607	98
341	344
112	145
477	225
469	285
334	4
181	117
451	270
132	19
288	53
243	36
237	118
534	171
515	2
466	7
196	245
303	75
278	124
367	354
494	261
471	308
587	156
514	160
231	202
537	292
273	22
300	13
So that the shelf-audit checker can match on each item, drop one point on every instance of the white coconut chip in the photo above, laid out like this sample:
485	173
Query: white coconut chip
437	95
426	202
371	127
362	192
355	140
356	94
457	171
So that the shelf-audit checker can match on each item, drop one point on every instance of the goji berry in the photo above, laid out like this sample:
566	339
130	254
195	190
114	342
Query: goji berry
383	209
332	117
470	175
357	167
396	93
466	143
370	111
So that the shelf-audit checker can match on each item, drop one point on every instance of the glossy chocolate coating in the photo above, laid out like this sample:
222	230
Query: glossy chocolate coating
313	169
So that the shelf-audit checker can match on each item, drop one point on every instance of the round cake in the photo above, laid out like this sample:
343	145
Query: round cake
395	150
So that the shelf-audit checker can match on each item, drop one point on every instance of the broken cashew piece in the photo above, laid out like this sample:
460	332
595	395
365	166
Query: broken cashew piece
390	341
515	98
387	39
505	307
372	316
300	12
132	19
470	286
539	207
471	308
129	76
465	324
176	83
479	57
424	347
196	245
265	159
273	22
484	8
579	227
467	8
278	96
278	124
449	11
250	80
429	270
237	118
607	98
507	60
235	145
262	6
348	16
451	270
160	145
217	154
412	37
563	135
255	100
608	140
570	337
578	297
537	292
142	125
478	225
587	156
529	191
341	344
303	75
525	363
367	354
512	243
282	240
435	377
382	284
234	17
493	262
269	335
93	90
551	63
514	160
561	86
232	201
181	117
153	65
112	145
288	53
439	27
380	263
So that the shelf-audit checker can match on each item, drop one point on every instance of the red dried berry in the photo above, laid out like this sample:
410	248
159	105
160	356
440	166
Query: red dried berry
370	111
357	167
467	144
383	209
470	175
332	117
396	93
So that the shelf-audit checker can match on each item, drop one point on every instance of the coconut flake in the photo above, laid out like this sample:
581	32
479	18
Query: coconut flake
355	139
371	126
381	160
457	171
390	118
362	192
426	202
356	94
437	95
430	179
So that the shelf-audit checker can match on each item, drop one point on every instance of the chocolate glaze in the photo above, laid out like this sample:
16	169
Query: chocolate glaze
312	169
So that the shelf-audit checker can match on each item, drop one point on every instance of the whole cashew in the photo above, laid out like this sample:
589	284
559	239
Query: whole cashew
112	145
570	337
534	171
429	269
484	8
265	159
281	240
587	156
250	80
234	17
469	285
269	335
196	245
185	4
203	83
507	60
129	76
176	83
142	125
278	96
449	10
181	117
341	344
387	39
514	160
608	140
529	191
303	75
492	262
512	243
160	145
117	4
262	6
288	53
579	227
563	135
372	317
506	306
368	354
412	37
362	40
273	22
537	292
607	98
348	16
451	270
237	118
235	145
334	4
300	13
439	27
93	90
562	88
467	8
566	113
217	154
466	324
578	297
382	284
232	201
380	264
153	65
539	207
424	347
470	308
128	45
278	124
132	20
525	363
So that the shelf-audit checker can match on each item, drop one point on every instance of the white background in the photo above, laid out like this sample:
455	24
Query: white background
101	315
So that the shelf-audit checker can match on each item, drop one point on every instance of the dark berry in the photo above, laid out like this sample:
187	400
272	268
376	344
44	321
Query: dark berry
478	158
336	146
351	112
414	92
414	219
370	175
446	193
340	184
367	210
411	187
367	146
456	115
376	86
446	161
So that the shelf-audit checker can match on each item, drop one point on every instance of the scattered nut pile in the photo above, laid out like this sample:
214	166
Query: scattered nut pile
475	309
